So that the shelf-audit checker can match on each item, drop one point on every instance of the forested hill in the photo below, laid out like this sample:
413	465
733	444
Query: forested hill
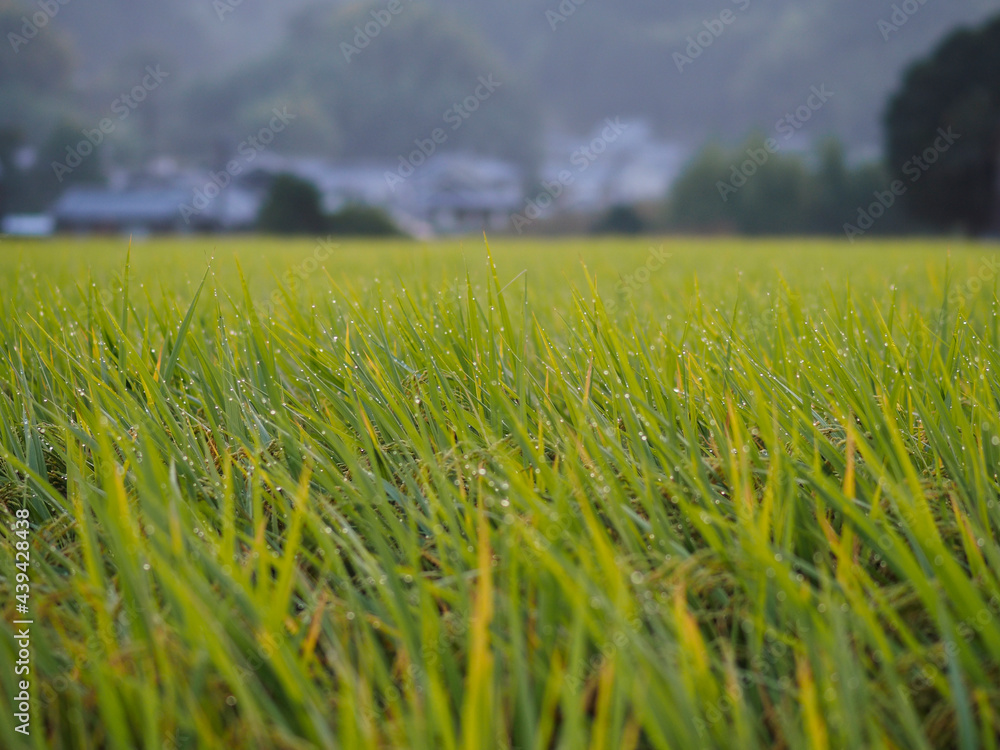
573	62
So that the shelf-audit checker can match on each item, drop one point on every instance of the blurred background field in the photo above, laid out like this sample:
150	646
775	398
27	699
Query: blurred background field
647	271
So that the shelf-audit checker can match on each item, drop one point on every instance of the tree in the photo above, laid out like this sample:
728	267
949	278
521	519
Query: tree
695	203
292	206
751	190
754	190
620	220
36	68
366	82
943	132
29	58
10	141
362	221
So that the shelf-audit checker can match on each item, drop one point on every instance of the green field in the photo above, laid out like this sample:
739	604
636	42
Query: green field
597	495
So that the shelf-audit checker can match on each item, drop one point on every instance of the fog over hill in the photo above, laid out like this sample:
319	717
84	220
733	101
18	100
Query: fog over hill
587	60
694	71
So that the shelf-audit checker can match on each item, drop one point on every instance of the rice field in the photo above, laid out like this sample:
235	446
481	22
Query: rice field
586	494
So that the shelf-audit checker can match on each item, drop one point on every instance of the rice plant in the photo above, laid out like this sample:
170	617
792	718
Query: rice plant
709	494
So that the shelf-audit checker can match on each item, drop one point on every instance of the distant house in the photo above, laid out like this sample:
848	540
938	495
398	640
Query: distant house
466	193
339	184
348	184
623	165
143	211
448	193
27	225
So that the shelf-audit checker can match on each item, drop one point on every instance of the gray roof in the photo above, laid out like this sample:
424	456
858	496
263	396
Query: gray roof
95	205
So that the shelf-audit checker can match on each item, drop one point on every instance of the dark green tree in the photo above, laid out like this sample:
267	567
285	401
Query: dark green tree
752	191
749	190
775	199
64	159
831	200
695	202
57	164
362	221
10	141
621	220
943	132
292	206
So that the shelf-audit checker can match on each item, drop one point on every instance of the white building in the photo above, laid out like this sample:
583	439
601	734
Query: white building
608	168
28	225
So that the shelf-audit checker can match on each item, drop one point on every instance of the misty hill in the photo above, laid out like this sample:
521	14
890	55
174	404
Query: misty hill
568	65
618	58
